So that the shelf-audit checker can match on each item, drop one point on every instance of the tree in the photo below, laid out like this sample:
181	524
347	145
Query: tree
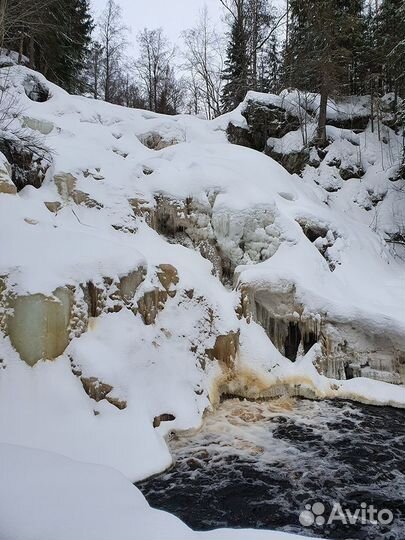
390	45
204	64
112	38
320	49
54	34
161	90
62	52
251	47
236	72
93	70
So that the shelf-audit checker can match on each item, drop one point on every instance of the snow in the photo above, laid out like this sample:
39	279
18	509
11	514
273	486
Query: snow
341	109
246	204
47	496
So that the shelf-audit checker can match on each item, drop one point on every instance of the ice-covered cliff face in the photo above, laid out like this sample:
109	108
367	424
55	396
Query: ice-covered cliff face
147	265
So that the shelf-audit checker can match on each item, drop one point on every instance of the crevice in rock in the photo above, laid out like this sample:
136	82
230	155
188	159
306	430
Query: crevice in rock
322	238
35	90
29	162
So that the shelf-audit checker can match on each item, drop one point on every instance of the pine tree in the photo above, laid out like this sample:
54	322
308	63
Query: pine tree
390	45
64	51
237	67
319	55
54	37
251	52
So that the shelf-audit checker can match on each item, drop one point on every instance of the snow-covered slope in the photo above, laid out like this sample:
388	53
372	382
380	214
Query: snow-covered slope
147	265
51	497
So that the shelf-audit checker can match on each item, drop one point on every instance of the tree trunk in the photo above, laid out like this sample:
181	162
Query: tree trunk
21	48
32	52
322	115
372	106
3	8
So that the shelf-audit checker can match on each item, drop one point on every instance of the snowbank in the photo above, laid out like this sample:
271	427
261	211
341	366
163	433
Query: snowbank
44	495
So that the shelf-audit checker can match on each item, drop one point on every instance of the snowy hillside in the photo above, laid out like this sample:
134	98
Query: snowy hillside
148	266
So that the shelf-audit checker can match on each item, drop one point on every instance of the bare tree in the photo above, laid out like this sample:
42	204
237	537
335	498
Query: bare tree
204	63
113	41
156	73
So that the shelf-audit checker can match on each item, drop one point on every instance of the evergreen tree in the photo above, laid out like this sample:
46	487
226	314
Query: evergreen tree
251	52
319	55
237	67
54	37
390	45
268	67
63	51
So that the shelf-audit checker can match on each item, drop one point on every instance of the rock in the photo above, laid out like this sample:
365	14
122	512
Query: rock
66	184
95	297
35	90
80	197
351	171
354	123
263	121
226	349
6	184
163	418
293	332
150	304
39	325
168	277
98	391
144	209
129	284
28	162
293	162
155	141
53	206
240	136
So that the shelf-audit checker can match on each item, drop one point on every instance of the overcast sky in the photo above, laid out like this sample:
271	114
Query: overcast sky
173	16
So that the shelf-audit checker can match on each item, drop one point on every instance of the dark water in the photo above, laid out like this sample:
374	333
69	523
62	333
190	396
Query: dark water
257	465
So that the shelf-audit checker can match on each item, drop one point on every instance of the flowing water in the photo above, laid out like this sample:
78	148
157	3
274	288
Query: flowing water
258	464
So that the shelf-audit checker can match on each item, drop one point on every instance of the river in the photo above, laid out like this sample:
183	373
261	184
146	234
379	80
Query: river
258	464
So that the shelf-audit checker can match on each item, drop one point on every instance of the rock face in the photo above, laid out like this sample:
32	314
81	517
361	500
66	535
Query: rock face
348	350
6	184
66	184
268	121
28	163
264	121
273	122
40	327
226	349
